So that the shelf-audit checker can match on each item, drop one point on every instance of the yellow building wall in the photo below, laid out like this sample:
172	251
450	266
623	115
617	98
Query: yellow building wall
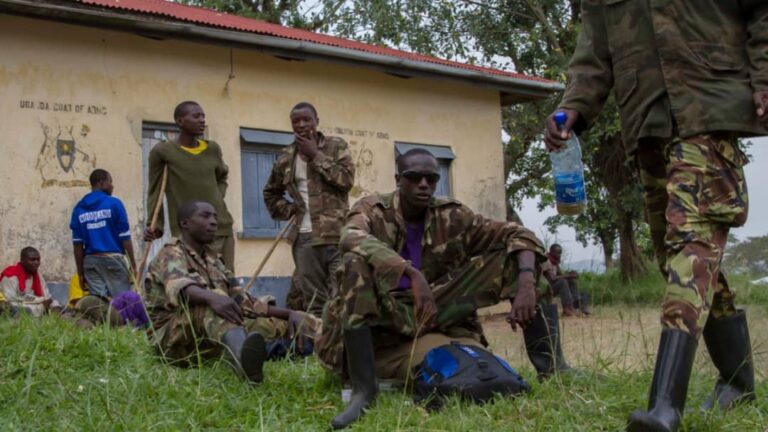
95	87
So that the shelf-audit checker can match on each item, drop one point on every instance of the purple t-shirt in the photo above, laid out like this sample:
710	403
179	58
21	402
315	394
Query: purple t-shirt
411	251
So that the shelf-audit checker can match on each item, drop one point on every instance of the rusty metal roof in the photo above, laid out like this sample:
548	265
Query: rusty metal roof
213	18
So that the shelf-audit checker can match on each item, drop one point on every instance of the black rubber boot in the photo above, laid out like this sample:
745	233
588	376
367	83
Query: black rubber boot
727	341
542	342
246	353
669	387
358	345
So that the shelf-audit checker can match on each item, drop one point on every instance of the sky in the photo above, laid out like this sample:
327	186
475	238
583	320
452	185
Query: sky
757	224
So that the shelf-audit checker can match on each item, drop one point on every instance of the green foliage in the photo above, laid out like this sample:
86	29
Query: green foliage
749	256
609	288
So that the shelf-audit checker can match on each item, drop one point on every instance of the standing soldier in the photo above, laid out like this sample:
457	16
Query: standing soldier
196	171
690	78
317	172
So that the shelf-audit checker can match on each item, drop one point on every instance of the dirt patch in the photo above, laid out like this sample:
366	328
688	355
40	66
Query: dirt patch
615	338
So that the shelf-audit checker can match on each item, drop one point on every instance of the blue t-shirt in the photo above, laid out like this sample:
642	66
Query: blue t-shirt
100	223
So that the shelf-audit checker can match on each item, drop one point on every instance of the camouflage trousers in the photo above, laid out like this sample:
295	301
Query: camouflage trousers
192	333
97	310
362	300
694	192
315	274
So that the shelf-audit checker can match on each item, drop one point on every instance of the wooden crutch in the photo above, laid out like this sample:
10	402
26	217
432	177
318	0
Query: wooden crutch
152	226
264	260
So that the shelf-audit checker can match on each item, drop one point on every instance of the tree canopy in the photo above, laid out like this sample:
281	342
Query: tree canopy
534	37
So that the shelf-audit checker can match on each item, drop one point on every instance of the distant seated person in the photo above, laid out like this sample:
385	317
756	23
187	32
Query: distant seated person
416	269
24	288
195	309
564	284
101	237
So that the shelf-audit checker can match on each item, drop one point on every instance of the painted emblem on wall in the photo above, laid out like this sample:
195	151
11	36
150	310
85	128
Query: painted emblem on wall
65	153
63	160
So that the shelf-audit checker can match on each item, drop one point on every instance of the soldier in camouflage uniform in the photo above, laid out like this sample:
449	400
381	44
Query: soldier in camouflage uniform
317	172
194	309
690	78
415	270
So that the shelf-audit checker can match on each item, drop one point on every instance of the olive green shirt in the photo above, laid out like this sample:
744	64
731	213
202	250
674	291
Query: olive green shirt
678	67
190	177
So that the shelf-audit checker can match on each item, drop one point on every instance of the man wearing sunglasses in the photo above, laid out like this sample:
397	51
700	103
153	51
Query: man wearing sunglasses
416	266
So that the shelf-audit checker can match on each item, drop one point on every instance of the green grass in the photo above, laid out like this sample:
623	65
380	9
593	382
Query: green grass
649	289
54	376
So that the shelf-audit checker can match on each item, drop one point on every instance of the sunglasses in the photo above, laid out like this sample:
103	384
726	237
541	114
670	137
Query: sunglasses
415	177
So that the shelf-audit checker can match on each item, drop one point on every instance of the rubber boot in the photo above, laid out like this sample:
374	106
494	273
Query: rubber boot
542	342
246	353
358	345
669	387
727	341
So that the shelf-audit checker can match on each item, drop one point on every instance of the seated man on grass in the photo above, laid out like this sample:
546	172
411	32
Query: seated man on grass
194	310
24	288
563	284
417	268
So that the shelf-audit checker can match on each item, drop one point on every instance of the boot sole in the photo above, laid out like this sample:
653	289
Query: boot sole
253	355
641	421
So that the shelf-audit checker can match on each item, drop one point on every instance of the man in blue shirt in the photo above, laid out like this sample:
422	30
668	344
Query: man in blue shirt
102	238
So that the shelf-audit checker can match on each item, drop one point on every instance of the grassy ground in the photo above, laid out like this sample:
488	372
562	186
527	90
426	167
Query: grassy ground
56	377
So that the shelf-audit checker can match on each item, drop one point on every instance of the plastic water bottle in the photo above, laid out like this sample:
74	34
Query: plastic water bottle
568	173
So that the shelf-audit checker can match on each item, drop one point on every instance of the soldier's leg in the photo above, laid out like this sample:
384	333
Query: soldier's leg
95	310
313	273
295	298
332	265
368	302
484	281
182	338
364	303
398	361
651	163
706	195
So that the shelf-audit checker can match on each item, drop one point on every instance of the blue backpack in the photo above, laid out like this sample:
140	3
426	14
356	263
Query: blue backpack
470	372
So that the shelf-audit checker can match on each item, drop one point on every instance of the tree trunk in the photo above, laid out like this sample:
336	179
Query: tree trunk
608	256
630	258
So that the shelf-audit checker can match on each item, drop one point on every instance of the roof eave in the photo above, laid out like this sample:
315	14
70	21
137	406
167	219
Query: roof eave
512	90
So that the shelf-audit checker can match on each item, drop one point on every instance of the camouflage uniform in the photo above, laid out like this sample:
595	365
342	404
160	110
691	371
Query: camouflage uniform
468	260
181	331
685	95
330	176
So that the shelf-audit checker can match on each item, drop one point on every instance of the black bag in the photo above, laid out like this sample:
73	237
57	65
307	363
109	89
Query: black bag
470	372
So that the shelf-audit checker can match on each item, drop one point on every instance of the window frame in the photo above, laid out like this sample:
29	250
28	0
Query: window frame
263	142
444	155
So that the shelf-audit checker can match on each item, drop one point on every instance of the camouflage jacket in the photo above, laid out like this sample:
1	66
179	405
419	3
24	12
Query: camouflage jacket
689	64
330	177
453	234
178	266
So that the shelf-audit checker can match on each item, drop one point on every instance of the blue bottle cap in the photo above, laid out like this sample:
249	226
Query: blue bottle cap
560	118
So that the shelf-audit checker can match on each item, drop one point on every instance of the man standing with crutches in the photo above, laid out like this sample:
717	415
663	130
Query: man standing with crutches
317	172
195	172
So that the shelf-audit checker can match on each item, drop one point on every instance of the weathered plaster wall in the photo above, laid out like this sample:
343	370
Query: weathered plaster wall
93	89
